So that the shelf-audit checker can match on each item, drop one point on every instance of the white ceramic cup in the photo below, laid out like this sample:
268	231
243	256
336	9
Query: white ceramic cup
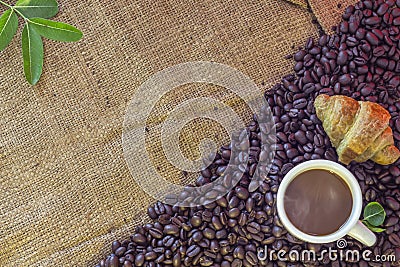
352	227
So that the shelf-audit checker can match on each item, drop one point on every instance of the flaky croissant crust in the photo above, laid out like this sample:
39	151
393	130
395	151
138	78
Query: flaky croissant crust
358	130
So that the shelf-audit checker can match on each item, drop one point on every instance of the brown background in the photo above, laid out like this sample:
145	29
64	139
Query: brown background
65	189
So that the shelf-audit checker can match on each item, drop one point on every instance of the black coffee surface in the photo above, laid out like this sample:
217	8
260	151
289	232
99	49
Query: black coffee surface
318	202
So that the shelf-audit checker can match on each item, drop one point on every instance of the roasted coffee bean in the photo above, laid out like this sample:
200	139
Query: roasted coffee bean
139	239
345	79
291	153
242	192
300	55
372	38
234	212
216	222
392	203
253	227
370	195
139	259
382	62
379	51
156	233
171	229
192	251
394	239
372	20
286	168
243	219
300	103
342	58
206	216
196	221
149	256
391	221
251	257
115	245
394	170
209	233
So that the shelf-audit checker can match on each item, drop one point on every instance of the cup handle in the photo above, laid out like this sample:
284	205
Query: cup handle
363	234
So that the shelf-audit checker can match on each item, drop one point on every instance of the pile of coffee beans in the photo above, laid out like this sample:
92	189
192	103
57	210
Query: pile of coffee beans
360	60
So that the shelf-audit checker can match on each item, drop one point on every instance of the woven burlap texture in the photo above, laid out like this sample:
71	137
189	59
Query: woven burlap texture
328	17
66	191
302	3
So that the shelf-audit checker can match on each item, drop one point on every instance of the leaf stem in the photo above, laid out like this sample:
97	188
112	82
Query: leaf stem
25	18
15	10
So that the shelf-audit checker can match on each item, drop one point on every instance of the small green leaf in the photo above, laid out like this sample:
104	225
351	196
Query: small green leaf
37	8
32	51
56	30
374	214
373	228
8	27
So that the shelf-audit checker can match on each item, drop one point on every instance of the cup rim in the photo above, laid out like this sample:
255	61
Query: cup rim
347	177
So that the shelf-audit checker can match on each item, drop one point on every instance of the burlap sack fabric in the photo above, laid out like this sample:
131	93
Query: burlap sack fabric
65	189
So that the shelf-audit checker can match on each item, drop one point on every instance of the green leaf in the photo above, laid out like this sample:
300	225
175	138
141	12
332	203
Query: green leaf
8	27
56	30
32	51
373	228
374	214
37	8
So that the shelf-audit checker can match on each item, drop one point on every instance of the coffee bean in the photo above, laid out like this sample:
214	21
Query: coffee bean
300	137
379	51
391	221
396	21
233	213
192	251
300	103
298	159
392	203
151	212
112	261
372	20
277	231
342	58
176	260
149	256
171	229
299	55
286	168
394	239
115	245
196	221
253	227
382	62
209	233
242	192
370	195
372	38
139	260
252	258
139	239
345	79
204	261
156	233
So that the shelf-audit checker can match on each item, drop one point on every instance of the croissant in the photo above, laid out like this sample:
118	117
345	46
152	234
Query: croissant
358	130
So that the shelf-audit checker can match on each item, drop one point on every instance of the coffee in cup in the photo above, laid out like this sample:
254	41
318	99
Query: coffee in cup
320	201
